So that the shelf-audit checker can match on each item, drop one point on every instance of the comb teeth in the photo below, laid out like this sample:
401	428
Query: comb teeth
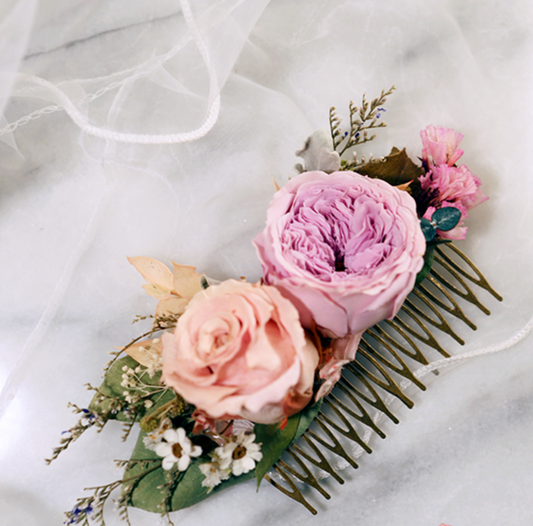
387	357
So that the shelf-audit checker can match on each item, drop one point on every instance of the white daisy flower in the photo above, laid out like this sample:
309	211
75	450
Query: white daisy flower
213	473
177	448
240	454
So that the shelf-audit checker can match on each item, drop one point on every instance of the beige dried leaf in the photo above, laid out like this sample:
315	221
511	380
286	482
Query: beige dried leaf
404	186
158	276
187	282
147	353
173	306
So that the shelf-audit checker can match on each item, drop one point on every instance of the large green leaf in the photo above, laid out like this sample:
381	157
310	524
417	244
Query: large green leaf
428	258
397	168
274	440
306	417
428	262
188	490
111	387
145	494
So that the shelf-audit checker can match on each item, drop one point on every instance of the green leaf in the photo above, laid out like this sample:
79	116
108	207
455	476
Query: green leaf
145	494
428	258
274	440
111	387
306	417
396	169
428	229
188	490
446	218
428	262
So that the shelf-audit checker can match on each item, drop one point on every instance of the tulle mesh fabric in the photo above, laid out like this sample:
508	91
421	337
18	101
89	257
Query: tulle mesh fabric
163	88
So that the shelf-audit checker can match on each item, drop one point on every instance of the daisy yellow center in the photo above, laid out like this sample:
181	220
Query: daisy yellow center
177	450
240	452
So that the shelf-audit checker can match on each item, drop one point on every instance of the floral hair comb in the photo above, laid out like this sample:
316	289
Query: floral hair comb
282	379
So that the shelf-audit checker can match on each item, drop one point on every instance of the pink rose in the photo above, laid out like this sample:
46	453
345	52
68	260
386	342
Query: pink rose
239	351
440	145
344	248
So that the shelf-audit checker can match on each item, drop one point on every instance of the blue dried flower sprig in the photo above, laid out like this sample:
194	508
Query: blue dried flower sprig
79	513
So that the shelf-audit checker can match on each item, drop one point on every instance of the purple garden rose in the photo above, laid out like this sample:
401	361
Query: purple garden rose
344	248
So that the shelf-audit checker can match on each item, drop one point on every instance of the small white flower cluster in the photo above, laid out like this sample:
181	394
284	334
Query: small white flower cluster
154	358
130	381
237	456
137	388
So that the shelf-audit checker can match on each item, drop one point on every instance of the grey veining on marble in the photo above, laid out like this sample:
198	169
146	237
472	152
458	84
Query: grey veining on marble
73	207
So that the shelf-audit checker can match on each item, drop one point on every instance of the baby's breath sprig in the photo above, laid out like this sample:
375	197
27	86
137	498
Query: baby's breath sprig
116	354
137	390
87	420
138	397
161	323
114	404
362	119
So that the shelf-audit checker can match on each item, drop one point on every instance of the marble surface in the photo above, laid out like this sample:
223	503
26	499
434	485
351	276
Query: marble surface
73	206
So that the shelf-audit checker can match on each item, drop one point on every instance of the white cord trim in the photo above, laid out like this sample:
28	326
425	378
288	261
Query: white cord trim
447	362
134	138
423	371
